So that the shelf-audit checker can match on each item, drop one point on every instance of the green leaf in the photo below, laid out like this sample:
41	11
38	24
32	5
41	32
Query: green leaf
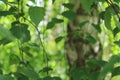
107	18
56	20
53	1
82	24
6	77
14	59
115	31
109	66
33	1
97	27
68	5
28	72
116	71
58	39
90	39
50	25
47	78
6	34
20	76
69	14
46	69
5	1
117	43
36	14
56	78
20	31
86	4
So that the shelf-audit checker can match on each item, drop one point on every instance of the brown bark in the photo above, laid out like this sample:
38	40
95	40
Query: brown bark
78	50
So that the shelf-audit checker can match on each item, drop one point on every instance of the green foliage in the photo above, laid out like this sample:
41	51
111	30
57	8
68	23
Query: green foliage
69	14
33	51
36	14
20	31
87	5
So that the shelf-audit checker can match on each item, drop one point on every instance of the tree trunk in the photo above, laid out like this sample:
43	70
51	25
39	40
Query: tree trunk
78	48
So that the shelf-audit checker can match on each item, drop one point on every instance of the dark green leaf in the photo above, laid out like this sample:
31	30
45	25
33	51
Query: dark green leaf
53	1
82	24
69	14
68	5
56	20
36	14
117	43
47	78
56	78
20	76
116	71
115	31
6	77
5	41
46	69
28	72
58	39
109	66
97	27
107	17
50	25
21	32
14	59
90	39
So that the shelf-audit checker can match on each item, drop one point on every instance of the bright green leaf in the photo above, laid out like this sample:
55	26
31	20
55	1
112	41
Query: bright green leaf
36	14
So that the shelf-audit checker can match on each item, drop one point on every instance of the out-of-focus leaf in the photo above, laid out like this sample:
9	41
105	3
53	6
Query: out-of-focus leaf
48	78
58	39
6	34
69	14
36	14
46	69
5	1
28	72
14	59
6	77
20	76
90	39
68	5
21	32
116	71
53	1
57	78
117	43
33	1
